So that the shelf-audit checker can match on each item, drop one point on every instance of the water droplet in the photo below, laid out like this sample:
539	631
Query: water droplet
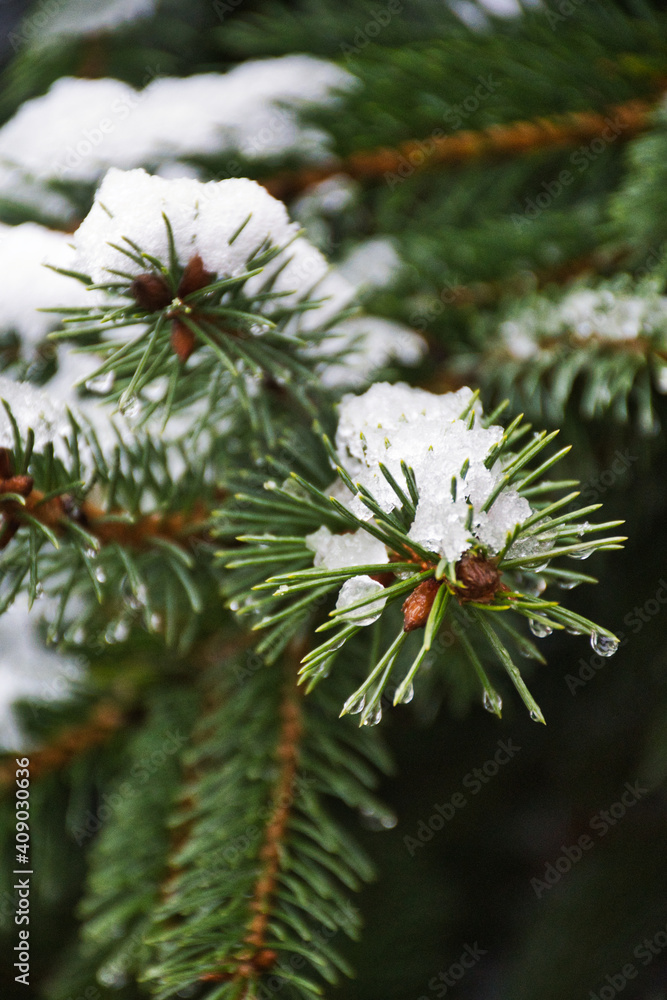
101	383
357	706
79	636
535	716
234	605
155	622
582	554
568	584
574	631
373	716
407	696
108	978
270	484
110	635
91	553
100	575
540	567
540	629
39	592
492	702
376	820
283	589
605	645
121	631
52	635
130	408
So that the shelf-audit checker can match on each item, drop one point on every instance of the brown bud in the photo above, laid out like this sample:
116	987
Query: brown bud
6	467
17	484
183	339
480	578
151	292
417	607
195	276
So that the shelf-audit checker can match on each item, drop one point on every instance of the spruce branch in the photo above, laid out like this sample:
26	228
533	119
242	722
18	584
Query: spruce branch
605	344
491	578
281	866
108	566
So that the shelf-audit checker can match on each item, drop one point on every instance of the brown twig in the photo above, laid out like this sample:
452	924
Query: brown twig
105	719
497	141
56	512
254	957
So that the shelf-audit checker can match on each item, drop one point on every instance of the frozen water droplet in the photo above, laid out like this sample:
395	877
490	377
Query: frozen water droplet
91	553
283	589
492	702
357	706
101	383
605	645
408	695
583	528
373	716
540	629
100	575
